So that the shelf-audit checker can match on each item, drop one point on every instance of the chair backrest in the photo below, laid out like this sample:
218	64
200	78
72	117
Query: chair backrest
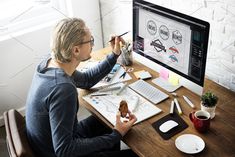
16	138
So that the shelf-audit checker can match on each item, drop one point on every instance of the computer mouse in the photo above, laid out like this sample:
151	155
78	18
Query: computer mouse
167	126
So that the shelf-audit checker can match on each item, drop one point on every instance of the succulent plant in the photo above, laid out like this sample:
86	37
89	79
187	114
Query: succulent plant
209	99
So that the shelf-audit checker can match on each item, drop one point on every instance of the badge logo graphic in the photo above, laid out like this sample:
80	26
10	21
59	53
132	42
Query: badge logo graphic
177	37
173	58
151	27
164	32
158	46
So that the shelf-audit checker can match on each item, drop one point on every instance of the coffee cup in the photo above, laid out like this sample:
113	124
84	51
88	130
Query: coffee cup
201	120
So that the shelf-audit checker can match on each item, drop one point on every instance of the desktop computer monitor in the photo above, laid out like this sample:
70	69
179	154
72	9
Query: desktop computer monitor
171	39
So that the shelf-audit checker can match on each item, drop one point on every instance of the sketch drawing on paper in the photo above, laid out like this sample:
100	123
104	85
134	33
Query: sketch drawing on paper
108	105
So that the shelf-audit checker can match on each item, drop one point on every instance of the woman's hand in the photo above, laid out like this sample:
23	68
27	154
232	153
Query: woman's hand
116	44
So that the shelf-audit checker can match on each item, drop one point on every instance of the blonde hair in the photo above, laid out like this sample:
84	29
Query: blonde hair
67	33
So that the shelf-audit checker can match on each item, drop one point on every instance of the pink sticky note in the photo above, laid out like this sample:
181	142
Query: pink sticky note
164	73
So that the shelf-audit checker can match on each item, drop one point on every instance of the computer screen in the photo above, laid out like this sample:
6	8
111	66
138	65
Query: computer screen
174	40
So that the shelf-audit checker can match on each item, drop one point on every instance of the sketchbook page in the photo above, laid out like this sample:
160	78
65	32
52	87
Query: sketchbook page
107	105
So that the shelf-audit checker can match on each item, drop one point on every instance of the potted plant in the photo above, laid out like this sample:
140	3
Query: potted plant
208	103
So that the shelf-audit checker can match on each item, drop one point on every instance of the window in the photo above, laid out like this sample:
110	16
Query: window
18	15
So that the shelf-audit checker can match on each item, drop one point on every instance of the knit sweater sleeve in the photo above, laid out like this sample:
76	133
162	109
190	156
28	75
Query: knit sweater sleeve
86	80
62	114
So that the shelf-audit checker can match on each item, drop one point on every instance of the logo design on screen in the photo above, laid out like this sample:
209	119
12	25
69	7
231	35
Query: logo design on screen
177	37
151	27
158	46
164	32
174	51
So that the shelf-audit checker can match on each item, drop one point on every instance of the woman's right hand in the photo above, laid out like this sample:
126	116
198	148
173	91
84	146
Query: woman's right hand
124	127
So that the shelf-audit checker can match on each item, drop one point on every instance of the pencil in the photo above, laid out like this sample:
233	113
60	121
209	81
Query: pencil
119	36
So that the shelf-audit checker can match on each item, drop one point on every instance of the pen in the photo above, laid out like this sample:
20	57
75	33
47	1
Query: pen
119	36
109	89
188	101
122	88
172	107
178	106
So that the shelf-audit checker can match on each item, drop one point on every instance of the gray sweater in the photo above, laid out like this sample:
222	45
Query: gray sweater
52	106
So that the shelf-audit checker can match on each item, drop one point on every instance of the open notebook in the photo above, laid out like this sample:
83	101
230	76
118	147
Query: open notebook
107	105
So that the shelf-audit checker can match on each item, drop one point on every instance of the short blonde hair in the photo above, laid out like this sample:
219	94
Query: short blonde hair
67	33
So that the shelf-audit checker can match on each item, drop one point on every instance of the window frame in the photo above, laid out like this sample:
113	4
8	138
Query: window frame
41	14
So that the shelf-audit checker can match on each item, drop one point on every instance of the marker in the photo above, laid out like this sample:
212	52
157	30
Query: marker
110	89
122	88
188	101
119	36
172	107
178	106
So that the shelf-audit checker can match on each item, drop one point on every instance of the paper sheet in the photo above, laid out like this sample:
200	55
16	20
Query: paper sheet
108	105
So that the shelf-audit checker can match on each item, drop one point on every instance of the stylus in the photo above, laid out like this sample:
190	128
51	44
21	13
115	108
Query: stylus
119	36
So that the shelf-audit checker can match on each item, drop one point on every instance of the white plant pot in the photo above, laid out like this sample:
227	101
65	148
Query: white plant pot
211	110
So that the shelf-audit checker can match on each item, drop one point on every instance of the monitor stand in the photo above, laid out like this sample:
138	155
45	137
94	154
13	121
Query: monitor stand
165	84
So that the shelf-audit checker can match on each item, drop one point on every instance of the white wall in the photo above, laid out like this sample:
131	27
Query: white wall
116	18
220	14
89	11
20	53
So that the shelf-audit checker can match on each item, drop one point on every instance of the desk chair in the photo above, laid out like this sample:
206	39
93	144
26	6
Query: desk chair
16	139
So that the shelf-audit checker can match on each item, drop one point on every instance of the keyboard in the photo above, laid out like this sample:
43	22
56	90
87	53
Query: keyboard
148	91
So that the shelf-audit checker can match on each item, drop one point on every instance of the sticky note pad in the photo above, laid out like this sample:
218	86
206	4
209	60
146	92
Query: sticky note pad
164	73
145	75
174	79
137	73
142	74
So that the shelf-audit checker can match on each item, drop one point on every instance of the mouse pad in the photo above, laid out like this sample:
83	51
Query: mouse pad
175	117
